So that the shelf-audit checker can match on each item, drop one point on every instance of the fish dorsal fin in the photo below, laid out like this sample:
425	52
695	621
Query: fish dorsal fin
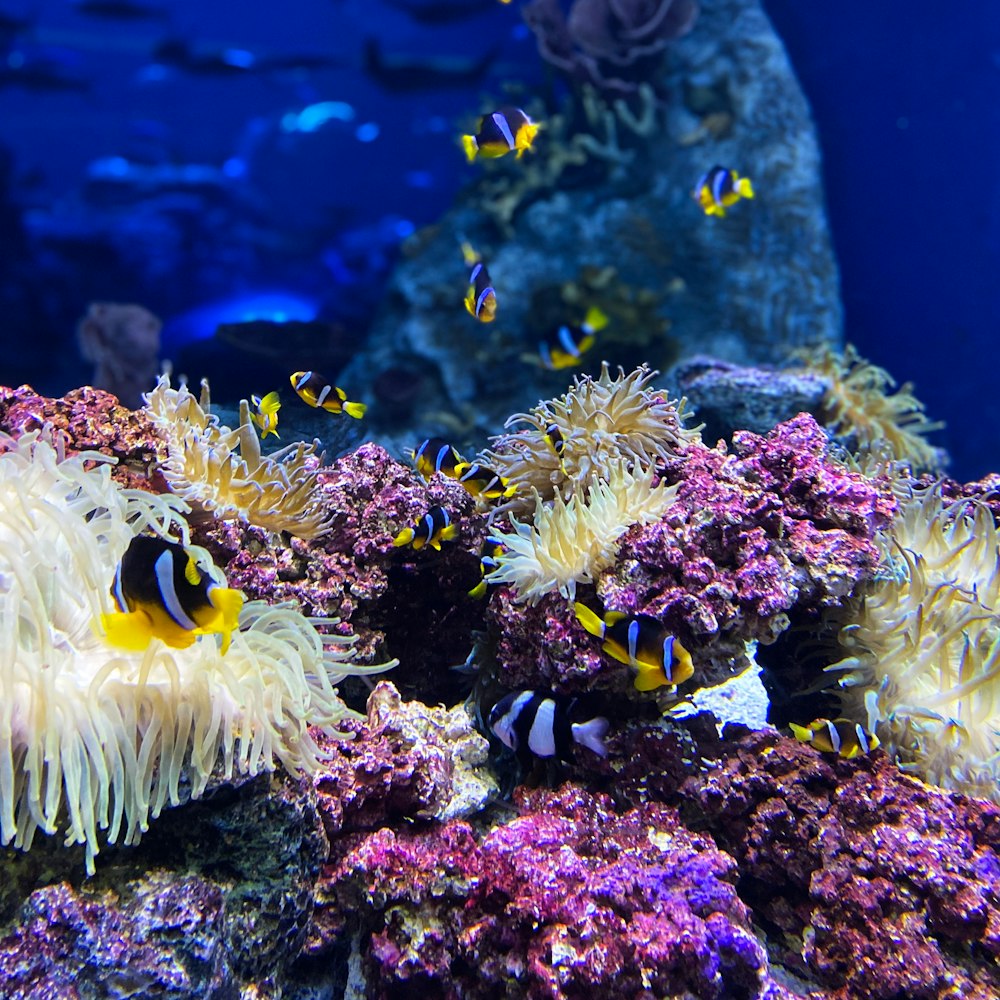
612	617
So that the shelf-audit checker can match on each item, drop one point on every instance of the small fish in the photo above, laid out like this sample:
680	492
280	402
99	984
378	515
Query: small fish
481	297
482	481
436	455
432	529
490	552
265	413
500	133
317	391
719	189
570	343
537	724
843	737
555	440
161	592
643	643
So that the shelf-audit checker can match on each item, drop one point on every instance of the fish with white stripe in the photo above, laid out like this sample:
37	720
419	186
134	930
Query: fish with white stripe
537	724
314	389
165	591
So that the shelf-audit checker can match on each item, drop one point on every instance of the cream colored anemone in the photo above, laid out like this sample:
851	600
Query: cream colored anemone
572	541
602	422
223	471
92	738
924	669
860	404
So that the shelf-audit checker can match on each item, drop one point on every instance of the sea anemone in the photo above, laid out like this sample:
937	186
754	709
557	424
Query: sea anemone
924	642
601	423
859	406
222	471
571	541
94	738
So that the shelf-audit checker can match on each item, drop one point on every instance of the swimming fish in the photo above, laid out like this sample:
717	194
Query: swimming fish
719	189
554	437
161	591
537	724
436	455
643	643
265	414
570	343
843	737
490	552
482	481
432	529
500	133
481	297
317	391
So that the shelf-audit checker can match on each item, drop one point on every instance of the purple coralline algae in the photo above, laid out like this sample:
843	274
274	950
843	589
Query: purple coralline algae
569	899
771	528
880	886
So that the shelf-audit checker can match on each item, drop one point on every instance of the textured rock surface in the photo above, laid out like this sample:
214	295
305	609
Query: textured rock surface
879	886
568	899
744	288
771	528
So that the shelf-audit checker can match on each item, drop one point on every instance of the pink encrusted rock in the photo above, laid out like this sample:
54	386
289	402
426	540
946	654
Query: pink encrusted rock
568	899
407	761
773	528
881	886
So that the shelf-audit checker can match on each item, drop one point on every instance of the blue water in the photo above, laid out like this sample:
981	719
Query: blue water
301	183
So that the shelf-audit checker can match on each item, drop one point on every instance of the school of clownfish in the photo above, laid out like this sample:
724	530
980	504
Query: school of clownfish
161	590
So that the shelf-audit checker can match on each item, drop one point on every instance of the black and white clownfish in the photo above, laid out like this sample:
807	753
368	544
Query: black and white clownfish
536	724
480	297
490	552
432	529
162	592
508	130
436	455
265	413
719	189
482	481
643	643
315	390
843	737
570	343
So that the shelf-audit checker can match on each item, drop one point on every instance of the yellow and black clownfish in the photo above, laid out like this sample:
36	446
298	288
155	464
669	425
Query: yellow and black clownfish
480	297
432	529
569	343
643	643
162	592
508	130
265	413
489	555
315	390
436	455
843	737
719	189
481	481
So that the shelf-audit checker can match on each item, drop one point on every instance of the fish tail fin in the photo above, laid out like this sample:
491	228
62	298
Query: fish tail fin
595	320
649	678
229	603
591	735
470	146
684	667
509	488
356	410
131	630
270	430
744	188
801	733
469	255
404	537
447	534
271	403
479	590
589	620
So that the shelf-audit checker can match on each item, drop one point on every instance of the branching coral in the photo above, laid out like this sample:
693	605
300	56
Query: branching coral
858	405
601	423
223	471
572	541
924	643
93	738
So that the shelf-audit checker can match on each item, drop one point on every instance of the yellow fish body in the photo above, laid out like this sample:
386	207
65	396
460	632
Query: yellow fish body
265	413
